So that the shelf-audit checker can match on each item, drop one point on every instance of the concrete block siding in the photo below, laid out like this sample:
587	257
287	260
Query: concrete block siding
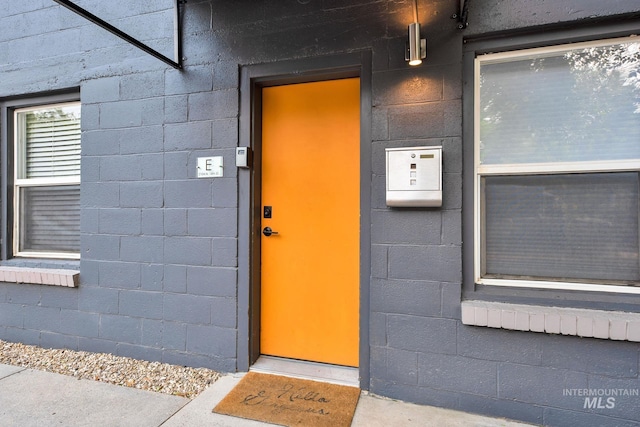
159	247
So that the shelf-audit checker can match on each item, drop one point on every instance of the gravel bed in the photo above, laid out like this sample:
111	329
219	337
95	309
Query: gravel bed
140	374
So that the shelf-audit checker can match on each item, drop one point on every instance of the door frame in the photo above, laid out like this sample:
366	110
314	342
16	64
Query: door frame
252	79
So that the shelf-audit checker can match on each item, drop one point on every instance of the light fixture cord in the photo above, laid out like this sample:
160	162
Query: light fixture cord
415	10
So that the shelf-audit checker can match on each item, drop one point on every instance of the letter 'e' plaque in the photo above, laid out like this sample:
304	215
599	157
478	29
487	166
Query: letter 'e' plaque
210	167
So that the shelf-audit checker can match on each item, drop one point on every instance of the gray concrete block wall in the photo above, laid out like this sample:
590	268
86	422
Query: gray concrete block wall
502	373
416	269
162	224
129	187
159	246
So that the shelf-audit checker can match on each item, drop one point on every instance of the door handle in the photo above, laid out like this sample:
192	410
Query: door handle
267	231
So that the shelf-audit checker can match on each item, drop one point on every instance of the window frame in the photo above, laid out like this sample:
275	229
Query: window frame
9	249
597	297
524	169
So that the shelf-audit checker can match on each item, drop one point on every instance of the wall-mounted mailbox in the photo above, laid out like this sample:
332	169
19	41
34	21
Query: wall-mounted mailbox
414	176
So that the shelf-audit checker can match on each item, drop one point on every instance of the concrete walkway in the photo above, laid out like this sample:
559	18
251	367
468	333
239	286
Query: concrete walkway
36	398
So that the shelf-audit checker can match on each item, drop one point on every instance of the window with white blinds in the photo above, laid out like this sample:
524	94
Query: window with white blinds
47	181
557	161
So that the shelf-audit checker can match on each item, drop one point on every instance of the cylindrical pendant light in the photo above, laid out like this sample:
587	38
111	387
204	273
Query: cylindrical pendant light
415	57
416	47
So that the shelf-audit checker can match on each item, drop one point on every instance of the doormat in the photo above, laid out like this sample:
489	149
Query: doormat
290	401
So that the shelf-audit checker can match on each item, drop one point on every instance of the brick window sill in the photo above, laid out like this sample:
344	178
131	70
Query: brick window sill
40	276
613	325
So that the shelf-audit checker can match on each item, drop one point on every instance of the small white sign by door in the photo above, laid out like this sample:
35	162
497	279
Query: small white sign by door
210	167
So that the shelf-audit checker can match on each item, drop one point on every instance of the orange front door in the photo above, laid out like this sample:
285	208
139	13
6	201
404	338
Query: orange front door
311	192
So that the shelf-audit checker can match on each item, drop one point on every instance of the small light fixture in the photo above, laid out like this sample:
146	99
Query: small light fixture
416	49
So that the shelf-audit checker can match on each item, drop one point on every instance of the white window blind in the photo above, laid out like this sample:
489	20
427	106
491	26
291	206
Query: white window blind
47	181
53	143
568	226
51	218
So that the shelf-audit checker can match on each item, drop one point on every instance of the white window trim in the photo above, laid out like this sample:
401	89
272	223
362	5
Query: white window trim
535	169
35	182
542	52
513	283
